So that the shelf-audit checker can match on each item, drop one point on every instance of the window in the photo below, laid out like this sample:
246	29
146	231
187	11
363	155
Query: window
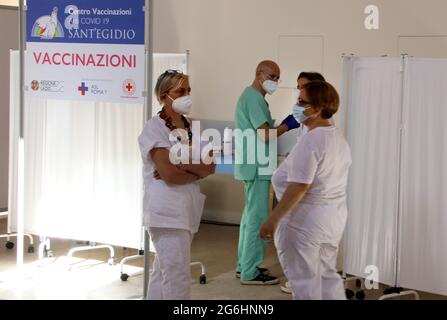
13	3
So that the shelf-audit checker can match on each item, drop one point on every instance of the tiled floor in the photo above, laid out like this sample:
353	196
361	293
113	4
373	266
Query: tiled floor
92	278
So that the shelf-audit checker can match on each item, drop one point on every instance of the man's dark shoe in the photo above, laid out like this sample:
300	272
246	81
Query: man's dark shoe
263	271
261	280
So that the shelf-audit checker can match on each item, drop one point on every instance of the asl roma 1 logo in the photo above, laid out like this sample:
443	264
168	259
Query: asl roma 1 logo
48	27
129	87
83	88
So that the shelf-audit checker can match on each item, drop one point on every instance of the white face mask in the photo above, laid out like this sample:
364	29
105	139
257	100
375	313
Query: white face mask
182	105
270	86
298	114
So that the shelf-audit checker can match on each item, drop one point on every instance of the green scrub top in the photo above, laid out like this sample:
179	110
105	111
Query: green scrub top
252	111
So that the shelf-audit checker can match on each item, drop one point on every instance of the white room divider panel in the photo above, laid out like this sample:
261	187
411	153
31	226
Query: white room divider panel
395	123
14	127
373	103
83	166
83	169
423	250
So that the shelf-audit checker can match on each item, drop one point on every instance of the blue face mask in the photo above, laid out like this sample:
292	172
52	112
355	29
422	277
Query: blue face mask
298	113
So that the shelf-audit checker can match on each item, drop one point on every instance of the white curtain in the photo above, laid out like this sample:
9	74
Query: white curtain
397	189
373	103
423	243
83	171
14	127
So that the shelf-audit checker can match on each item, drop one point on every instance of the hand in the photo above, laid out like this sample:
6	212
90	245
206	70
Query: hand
157	175
291	122
268	229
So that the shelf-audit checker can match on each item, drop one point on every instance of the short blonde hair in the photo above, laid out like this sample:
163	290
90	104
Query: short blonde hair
168	80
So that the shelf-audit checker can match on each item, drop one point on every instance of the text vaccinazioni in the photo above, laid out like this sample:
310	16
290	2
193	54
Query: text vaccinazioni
86	60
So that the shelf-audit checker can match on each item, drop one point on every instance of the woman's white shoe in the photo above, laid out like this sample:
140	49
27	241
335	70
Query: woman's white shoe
286	288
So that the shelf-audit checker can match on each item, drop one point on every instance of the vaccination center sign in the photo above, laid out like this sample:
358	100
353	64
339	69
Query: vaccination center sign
86	50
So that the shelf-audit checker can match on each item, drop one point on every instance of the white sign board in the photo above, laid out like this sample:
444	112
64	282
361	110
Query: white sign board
85	50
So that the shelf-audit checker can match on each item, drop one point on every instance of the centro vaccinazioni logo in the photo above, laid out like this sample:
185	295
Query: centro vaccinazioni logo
48	27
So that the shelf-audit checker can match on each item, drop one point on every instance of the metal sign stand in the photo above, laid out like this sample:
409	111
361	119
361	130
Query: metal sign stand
21	146
147	113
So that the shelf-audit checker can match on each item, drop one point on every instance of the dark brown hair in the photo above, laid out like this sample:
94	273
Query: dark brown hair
322	96
311	76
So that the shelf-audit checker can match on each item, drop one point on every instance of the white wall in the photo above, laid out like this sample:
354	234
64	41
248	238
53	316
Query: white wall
227	38
9	40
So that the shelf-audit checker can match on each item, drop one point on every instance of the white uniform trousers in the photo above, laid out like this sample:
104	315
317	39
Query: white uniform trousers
309	265
171	275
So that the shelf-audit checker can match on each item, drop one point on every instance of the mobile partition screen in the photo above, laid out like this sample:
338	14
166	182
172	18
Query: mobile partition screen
84	100
394	123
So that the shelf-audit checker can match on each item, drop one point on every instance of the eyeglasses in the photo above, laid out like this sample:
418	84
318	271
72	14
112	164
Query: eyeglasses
303	103
171	72
272	77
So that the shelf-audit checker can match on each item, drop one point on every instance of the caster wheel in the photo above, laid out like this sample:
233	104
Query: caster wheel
358	283
349	294
203	279
124	276
111	261
141	252
50	254
360	295
9	245
30	249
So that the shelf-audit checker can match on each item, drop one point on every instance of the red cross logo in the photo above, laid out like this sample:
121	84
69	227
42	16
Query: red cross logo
129	87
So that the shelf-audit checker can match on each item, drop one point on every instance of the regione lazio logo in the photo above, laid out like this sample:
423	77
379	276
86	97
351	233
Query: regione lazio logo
35	85
83	88
48	27
129	87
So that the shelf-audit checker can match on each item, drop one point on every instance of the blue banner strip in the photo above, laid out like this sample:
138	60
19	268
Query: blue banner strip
86	21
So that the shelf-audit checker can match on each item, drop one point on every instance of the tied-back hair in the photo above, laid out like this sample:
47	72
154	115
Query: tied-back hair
311	76
168	80
322	96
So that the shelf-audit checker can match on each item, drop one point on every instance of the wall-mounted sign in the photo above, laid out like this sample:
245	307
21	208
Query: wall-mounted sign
85	50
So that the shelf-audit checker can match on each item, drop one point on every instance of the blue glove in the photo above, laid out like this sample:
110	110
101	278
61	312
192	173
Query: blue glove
291	122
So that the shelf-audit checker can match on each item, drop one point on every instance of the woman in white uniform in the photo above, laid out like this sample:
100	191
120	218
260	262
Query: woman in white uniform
173	202
303	78
309	220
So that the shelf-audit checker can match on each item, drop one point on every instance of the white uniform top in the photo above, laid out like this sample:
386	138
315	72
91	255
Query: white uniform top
167	205
321	158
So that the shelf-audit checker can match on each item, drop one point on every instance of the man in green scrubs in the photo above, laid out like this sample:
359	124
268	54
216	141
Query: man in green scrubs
254	119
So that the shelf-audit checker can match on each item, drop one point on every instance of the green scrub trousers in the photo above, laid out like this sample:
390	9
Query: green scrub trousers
252	111
251	246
